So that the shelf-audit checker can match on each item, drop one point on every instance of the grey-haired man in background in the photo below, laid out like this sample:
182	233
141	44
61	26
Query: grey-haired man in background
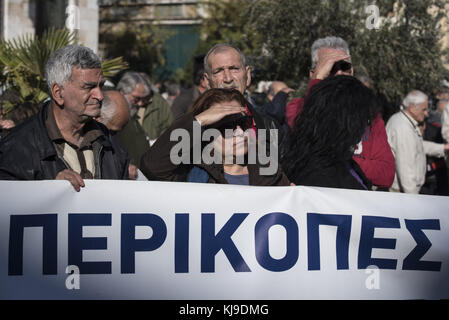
63	141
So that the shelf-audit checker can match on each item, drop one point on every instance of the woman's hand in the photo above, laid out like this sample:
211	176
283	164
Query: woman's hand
218	111
6	124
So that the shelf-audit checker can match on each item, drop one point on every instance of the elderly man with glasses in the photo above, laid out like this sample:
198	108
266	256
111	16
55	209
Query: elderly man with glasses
137	93
150	109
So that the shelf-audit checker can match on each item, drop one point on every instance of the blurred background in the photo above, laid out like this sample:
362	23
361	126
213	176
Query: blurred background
401	47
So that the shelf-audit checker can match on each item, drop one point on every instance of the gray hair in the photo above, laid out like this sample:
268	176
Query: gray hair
414	97
367	81
108	108
220	48
173	88
129	81
58	69
328	42
271	90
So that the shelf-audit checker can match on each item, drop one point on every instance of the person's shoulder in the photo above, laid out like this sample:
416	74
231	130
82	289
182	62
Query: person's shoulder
158	99
96	125
399	123
24	132
396	119
112	139
158	105
378	125
296	102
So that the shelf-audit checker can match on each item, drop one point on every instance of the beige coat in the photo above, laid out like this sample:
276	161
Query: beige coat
410	152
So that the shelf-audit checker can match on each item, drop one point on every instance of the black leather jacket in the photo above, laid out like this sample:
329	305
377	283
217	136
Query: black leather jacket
27	153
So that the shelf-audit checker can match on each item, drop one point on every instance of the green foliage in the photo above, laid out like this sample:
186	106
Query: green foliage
226	21
111	67
22	67
140	45
23	60
402	55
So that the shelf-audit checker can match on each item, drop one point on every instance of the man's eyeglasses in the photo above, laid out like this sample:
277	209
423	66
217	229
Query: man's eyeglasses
145	99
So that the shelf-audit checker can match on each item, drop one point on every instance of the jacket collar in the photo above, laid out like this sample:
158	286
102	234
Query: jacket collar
255	178
46	147
413	122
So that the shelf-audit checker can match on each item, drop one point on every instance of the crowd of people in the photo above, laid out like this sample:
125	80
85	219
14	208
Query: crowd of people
335	136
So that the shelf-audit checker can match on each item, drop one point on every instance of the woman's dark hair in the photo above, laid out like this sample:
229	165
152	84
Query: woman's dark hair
216	95
335	116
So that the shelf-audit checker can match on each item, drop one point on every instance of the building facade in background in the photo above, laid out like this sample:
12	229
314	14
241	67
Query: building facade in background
89	18
181	18
19	17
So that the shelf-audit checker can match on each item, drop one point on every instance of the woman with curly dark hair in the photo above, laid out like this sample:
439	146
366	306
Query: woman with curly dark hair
320	148
223	110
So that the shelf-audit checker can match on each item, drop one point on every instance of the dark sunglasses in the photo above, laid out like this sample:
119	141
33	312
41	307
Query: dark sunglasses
340	65
245	122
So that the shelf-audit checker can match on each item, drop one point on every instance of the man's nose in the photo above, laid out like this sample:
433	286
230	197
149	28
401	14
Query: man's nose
98	94
227	77
238	131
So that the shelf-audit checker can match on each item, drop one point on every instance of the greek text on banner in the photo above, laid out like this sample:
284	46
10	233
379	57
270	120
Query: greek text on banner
166	240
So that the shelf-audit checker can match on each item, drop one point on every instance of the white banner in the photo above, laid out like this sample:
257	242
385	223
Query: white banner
163	240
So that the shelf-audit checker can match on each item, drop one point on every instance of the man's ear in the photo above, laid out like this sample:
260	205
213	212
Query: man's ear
204	83
207	81
248	76
57	94
311	74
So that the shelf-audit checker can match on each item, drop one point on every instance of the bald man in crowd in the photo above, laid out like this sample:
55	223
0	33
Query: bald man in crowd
114	111
115	115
